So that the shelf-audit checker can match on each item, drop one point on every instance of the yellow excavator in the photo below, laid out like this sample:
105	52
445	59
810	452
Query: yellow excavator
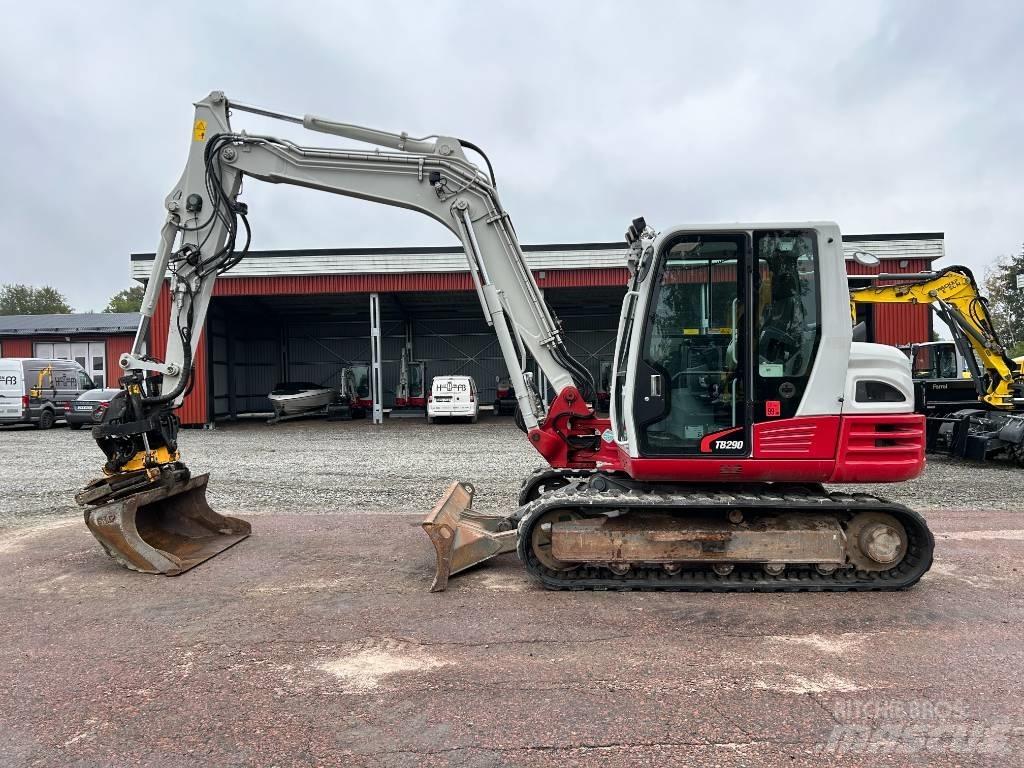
44	374
977	369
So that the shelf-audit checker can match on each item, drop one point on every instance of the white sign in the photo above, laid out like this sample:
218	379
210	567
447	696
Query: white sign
1020	281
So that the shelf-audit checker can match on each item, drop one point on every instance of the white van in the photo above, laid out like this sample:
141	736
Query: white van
38	391
452	396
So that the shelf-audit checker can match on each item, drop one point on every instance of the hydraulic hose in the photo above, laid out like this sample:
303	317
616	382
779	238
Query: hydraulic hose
183	380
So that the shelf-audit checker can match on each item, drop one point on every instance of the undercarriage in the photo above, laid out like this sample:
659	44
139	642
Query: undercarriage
594	531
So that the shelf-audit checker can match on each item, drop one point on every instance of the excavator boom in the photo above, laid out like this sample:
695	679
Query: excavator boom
207	232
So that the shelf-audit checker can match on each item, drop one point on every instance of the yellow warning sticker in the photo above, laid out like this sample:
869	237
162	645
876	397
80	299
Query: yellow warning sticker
199	131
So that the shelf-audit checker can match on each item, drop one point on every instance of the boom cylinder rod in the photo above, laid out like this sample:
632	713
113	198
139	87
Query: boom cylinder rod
399	141
473	254
254	110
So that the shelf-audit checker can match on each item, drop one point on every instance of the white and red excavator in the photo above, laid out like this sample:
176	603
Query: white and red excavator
736	390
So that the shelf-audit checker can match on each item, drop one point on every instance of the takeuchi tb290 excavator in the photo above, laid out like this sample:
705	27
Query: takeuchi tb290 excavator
737	390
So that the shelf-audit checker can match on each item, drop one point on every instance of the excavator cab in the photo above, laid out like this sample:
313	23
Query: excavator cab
731	328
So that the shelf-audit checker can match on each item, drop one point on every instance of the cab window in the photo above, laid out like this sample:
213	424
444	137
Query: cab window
937	361
788	318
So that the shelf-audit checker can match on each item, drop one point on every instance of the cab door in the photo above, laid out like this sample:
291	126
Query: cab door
692	368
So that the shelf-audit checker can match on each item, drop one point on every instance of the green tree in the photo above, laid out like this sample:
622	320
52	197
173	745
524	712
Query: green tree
29	300
128	300
1006	301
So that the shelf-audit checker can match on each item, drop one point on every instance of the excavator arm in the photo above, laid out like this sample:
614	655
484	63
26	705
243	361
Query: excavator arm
206	233
953	295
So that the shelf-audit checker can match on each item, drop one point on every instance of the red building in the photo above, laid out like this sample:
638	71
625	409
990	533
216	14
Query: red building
95	340
305	314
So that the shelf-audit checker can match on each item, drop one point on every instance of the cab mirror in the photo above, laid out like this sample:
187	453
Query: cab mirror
860	331
866	259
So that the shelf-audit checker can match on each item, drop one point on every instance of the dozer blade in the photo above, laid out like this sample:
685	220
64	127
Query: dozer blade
461	537
167	530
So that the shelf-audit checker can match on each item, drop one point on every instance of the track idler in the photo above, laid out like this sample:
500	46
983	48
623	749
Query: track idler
463	538
158	522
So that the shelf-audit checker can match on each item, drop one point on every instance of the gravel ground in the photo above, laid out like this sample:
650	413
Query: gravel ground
317	467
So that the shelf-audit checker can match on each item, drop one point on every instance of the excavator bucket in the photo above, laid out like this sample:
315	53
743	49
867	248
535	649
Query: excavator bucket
461	537
167	529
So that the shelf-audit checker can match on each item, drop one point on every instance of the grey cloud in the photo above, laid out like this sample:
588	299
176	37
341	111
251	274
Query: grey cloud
882	116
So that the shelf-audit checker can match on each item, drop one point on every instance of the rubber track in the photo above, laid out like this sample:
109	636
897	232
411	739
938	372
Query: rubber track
545	474
578	497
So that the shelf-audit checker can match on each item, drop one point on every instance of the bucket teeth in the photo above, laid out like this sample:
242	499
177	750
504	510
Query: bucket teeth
167	529
463	538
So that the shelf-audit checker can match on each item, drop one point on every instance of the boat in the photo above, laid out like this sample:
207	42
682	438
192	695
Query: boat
294	397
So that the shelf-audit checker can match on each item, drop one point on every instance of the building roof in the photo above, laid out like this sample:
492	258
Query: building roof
553	256
84	322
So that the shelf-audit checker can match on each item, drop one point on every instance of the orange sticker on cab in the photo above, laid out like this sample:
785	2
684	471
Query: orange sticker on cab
199	131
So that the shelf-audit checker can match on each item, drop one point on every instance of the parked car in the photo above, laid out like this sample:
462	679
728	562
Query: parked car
38	391
452	396
90	407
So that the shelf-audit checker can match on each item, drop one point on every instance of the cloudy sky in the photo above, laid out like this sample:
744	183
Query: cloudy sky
886	117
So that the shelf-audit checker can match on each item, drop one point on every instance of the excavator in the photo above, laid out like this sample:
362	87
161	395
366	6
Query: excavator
409	394
706	480
995	427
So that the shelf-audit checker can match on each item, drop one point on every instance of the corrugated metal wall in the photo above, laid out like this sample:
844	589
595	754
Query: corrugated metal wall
897	324
255	368
400	283
460	346
116	346
245	363
17	347
193	410
590	338
251	352
317	351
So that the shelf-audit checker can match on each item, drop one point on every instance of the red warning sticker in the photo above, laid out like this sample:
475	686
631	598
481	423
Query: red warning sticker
772	407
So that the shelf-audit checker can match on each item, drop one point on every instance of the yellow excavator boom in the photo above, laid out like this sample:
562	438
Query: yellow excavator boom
37	390
954	296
